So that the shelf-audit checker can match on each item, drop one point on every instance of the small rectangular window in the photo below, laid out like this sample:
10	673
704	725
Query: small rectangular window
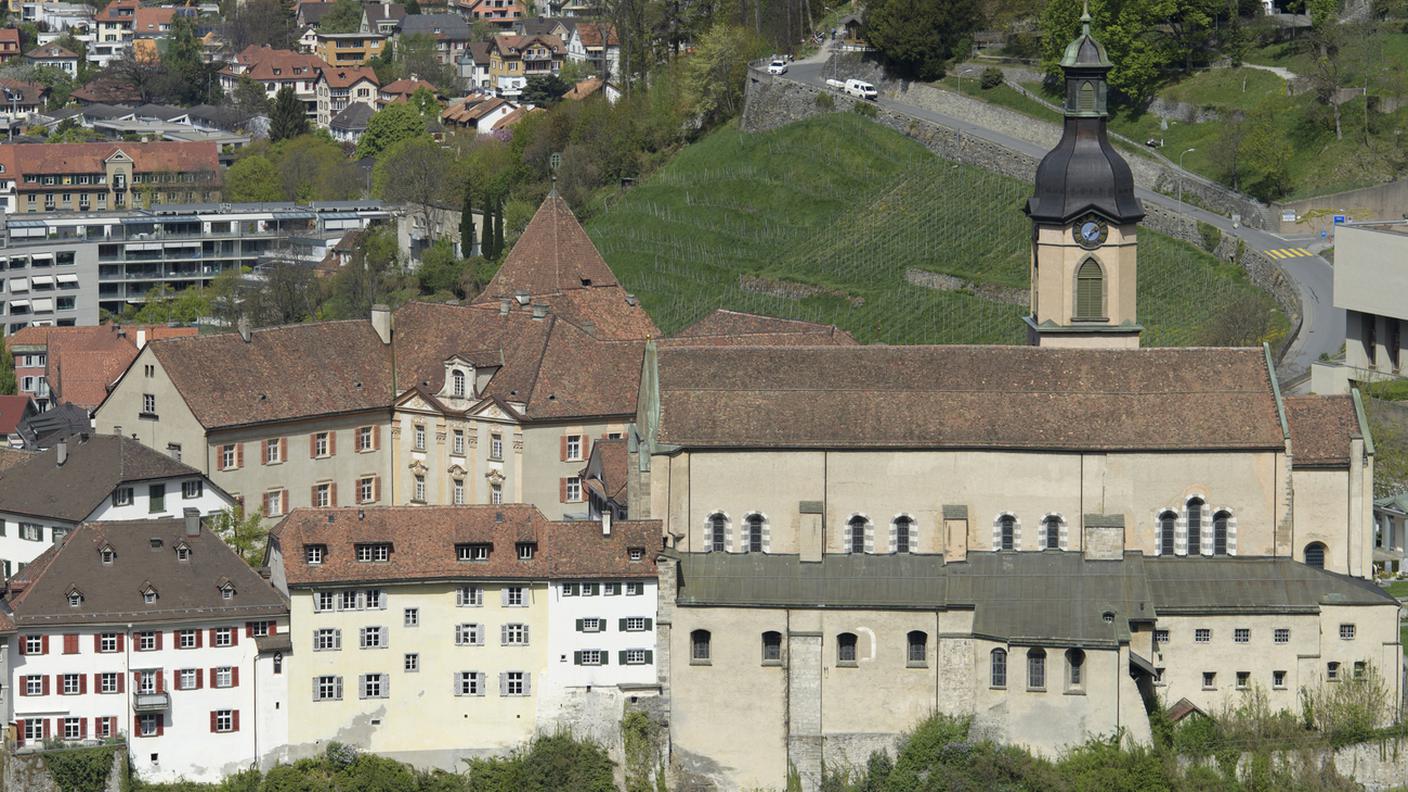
1347	632
411	663
1209	680
1278	680
1282	635
191	490
411	617
1202	635
1332	671
1244	679
1241	635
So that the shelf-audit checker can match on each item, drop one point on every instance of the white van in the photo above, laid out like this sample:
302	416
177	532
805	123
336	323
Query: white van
861	90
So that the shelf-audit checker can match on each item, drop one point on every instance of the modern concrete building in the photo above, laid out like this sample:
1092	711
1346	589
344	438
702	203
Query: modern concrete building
1371	272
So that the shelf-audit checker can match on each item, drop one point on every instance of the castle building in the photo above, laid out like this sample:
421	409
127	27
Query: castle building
1055	540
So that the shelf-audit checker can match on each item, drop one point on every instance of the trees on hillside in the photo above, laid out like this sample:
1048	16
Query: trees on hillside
714	74
391	125
916	37
545	90
344	17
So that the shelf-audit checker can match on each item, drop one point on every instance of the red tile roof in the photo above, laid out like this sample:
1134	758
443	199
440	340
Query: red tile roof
1321	430
584	88
109	12
424	538
349	76
470	110
51	52
266	64
13	410
152	20
9	36
67	158
725	327
552	255
406	86
595	34
84	361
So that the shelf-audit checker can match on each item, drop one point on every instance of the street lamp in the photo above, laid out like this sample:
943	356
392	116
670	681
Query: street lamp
1180	175
962	72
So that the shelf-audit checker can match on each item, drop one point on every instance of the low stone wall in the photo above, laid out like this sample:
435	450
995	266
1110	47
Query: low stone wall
772	102
26	772
1379	765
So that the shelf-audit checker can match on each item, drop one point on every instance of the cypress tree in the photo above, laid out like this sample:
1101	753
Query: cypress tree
499	226
467	223
486	231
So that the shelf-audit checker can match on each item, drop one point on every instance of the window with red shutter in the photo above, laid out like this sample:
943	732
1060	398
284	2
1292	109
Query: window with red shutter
121	683
562	449
44	649
332	443
212	721
82	728
46	728
82	683
332	494
158	640
71	643
44	686
562	490
235	720
19	732
235	676
160	725
121	641
160	681
234	637
239	455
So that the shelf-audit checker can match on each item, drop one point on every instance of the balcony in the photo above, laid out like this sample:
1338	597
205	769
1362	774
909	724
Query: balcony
151	702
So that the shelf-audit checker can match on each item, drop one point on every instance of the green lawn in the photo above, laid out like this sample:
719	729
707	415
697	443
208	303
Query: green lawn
1002	95
1398	588
831	212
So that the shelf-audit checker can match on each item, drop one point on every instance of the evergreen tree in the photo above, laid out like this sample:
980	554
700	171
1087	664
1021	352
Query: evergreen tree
467	223
289	118
498	227
486	231
8	386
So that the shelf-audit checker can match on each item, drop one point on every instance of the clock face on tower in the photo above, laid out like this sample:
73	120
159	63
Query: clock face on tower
1090	232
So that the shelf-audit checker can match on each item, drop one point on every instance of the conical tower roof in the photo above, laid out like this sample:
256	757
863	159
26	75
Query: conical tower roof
553	255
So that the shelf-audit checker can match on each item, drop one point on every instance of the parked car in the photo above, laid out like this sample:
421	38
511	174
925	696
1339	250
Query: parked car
777	67
861	90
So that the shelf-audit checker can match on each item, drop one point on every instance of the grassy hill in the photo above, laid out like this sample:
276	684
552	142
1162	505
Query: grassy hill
835	218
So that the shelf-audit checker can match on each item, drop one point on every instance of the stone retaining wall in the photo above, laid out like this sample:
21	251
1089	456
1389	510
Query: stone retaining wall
771	102
26	771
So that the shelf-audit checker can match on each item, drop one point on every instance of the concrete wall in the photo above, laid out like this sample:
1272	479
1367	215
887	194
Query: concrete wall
1381	202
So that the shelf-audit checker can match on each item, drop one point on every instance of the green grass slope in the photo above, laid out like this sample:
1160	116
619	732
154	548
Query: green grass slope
831	219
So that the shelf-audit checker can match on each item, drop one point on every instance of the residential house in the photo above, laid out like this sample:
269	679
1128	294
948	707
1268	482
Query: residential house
402	90
349	124
338	88
450	32
153	22
14	411
116	27
345	50
476	112
561	27
9	44
149	630
79	177
21	100
275	69
491	618
88	478
308	13
75	365
58	18
499	13
383	18
596	46
514	59
474	65
55	57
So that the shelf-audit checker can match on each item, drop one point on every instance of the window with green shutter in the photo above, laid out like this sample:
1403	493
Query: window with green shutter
1090	291
1085	101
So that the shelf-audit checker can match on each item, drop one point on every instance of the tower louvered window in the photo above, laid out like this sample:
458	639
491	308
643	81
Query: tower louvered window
1090	291
1085	99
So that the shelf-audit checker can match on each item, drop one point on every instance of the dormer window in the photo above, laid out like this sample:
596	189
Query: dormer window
227	591
635	553
526	550
457	386
107	555
376	552
183	552
149	594
474	551
75	598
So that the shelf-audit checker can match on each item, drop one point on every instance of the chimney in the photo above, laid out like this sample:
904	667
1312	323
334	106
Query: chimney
522	297
381	322
955	536
141	337
62	451
192	518
121	331
504	306
1103	539
606	523
631	299
540	310
243	326
811	539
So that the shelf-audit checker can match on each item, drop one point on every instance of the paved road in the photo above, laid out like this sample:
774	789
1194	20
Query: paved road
1323	327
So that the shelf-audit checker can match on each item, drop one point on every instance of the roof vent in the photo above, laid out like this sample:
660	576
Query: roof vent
540	310
155	542
631	299
504	306
522	297
61	452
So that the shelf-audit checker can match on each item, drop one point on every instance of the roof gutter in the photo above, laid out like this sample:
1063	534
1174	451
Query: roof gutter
1276	391
1363	419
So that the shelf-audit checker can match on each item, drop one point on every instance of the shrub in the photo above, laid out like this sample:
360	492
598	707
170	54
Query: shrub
79	770
825	101
992	77
1349	710
864	108
1210	234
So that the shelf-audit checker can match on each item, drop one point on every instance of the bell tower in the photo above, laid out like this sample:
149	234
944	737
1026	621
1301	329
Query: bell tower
1084	219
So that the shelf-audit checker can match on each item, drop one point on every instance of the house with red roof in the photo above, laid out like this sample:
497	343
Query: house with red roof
75	365
9	44
338	87
80	177
275	69
14	410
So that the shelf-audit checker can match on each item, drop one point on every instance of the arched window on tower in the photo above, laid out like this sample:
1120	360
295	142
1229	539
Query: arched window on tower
754	541
1219	532
1051	535
1195	526
904	533
715	542
855	535
1167	521
1090	291
1007	525
1315	555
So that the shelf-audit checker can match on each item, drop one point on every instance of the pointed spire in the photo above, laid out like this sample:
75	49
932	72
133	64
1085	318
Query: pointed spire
1085	19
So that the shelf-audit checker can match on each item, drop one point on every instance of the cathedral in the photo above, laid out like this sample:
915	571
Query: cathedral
1056	540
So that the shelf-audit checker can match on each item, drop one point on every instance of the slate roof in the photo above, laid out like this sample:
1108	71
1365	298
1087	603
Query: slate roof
423	540
1027	598
112	594
451	27
724	327
965	397
40	487
282	373
1321	430
353	117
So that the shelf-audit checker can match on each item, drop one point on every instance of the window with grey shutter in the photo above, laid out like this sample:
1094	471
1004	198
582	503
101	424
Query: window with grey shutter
579	625
503	596
577	657
528	682
338	687
503	635
503	683
1090	291
337	638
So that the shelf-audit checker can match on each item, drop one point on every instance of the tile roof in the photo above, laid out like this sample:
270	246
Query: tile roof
965	397
377	12
112	593
479	52
553	367
406	86
41	487
105	88
510	45
725	327
348	76
553	254
10	457
1321	429
84	361
584	88
282	373
13	410
63	158
423	540
471	109
266	64
606	469
10	35
109	11
597	34
29	93
152	19
51	52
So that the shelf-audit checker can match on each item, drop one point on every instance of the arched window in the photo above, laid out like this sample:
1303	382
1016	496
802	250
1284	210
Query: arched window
999	668
1051	537
916	647
1075	667
700	649
1167	521
1036	669
1007	524
772	647
1195	526
1090	290
1219	532
457	383
846	649
755	533
715	543
904	533
855	535
1315	555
